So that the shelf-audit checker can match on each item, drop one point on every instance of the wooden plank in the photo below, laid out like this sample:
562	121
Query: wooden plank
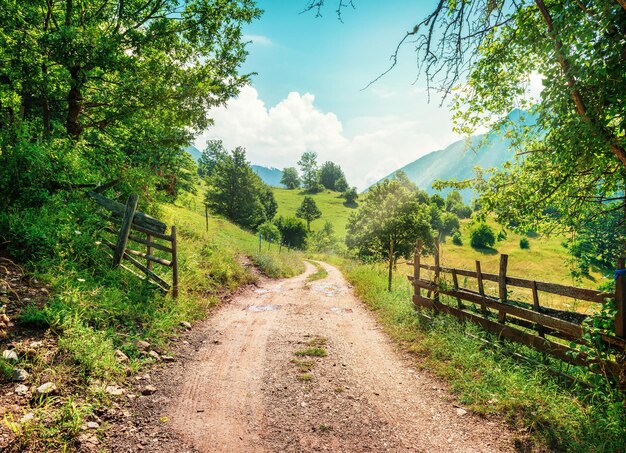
151	275
143	220
481	287
149	250
455	282
504	259
437	271
620	301
540	328
150	243
150	258
174	264
421	301
165	237
416	268
122	237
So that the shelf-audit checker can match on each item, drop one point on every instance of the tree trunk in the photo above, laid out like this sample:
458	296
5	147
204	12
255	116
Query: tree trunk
74	100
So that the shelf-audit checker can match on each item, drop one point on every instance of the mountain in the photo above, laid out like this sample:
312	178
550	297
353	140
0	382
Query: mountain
270	175
458	160
195	152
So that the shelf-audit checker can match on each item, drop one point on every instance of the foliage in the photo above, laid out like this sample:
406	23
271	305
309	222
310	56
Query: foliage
308	211
449	223
310	171
482	236
331	177
324	240
237	193
438	201
524	244
212	154
293	231
456	238
390	213
290	178
351	196
269	232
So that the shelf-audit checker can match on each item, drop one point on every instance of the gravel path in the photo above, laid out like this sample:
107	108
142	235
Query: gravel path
246	391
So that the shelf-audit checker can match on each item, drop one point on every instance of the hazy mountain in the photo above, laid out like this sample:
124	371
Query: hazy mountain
195	152
270	175
458	160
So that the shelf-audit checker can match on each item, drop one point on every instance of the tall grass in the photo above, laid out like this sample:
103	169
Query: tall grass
541	408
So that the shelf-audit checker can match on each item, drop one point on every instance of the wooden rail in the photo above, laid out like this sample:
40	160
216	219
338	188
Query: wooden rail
541	328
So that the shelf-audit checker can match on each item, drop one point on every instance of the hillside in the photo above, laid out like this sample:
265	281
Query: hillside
270	175
458	160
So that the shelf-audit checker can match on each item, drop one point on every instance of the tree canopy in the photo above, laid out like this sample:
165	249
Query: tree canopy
290	178
308	211
310	171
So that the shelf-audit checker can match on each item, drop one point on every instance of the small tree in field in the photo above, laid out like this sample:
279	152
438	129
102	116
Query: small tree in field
482	237
269	232
308	211
310	171
290	178
351	196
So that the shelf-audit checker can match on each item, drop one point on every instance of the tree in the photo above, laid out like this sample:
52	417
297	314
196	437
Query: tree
269	232
330	174
237	193
290	178
324	240
310	172
351	196
449	223
341	185
308	211
437	200
482	236
293	231
207	161
388	223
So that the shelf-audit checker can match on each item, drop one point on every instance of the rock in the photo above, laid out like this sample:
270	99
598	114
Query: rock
155	355
46	389
167	358
19	375
185	324
89	442
113	390
21	389
142	345
148	390
10	355
36	344
121	357
27	417
461	412
92	425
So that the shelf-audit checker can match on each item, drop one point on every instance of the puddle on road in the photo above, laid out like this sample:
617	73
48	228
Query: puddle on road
278	289
339	310
329	290
262	307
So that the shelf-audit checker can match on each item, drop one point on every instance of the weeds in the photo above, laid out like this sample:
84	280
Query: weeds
319	274
311	352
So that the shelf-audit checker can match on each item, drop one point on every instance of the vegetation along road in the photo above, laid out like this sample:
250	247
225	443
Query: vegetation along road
300	365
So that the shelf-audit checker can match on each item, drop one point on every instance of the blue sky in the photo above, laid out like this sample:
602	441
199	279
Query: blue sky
307	94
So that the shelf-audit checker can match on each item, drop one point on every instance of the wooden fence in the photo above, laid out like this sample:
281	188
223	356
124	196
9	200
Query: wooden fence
128	224
546	329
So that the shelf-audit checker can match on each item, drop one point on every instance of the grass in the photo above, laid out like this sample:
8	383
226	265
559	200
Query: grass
306	377
311	352
319	274
304	366
95	310
330	204
540	408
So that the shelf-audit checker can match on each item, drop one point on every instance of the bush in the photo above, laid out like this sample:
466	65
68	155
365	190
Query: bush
482	236
524	244
502	235
456	238
293	231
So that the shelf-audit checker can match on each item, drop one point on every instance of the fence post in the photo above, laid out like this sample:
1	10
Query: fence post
620	301
504	259
127	221
540	328
416	267
149	251
437	271
481	289
174	264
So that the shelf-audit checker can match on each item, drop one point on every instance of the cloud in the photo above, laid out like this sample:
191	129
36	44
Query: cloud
277	136
258	39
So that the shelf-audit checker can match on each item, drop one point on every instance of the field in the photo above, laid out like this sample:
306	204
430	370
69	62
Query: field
330	203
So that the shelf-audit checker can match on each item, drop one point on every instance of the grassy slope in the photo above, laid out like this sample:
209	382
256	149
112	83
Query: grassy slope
331	205
94	311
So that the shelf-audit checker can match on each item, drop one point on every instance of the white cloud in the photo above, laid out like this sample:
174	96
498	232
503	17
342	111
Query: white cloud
278	136
258	39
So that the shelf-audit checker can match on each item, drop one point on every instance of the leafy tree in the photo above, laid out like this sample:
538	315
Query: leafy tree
293	231
269	232
310	171
482	236
351	196
213	152
308	211
341	185
449	223
524	244
456	238
290	178
389	219
438	201
237	193
324	240
330	174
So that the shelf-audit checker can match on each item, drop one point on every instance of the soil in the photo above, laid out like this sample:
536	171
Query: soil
237	384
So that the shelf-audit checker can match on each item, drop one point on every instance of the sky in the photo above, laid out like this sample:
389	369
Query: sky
307	93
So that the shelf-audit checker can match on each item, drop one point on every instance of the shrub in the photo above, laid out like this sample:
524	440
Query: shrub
456	238
502	235
524	244
482	236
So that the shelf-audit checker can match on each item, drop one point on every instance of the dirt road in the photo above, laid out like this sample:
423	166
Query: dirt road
247	391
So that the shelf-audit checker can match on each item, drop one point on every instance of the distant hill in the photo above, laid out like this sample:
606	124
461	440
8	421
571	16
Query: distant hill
195	152
458	160
270	175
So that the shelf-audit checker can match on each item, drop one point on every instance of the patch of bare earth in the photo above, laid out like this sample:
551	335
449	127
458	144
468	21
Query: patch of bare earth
239	386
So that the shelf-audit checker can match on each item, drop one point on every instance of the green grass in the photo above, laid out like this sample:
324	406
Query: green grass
539	407
330	203
319	274
311	352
